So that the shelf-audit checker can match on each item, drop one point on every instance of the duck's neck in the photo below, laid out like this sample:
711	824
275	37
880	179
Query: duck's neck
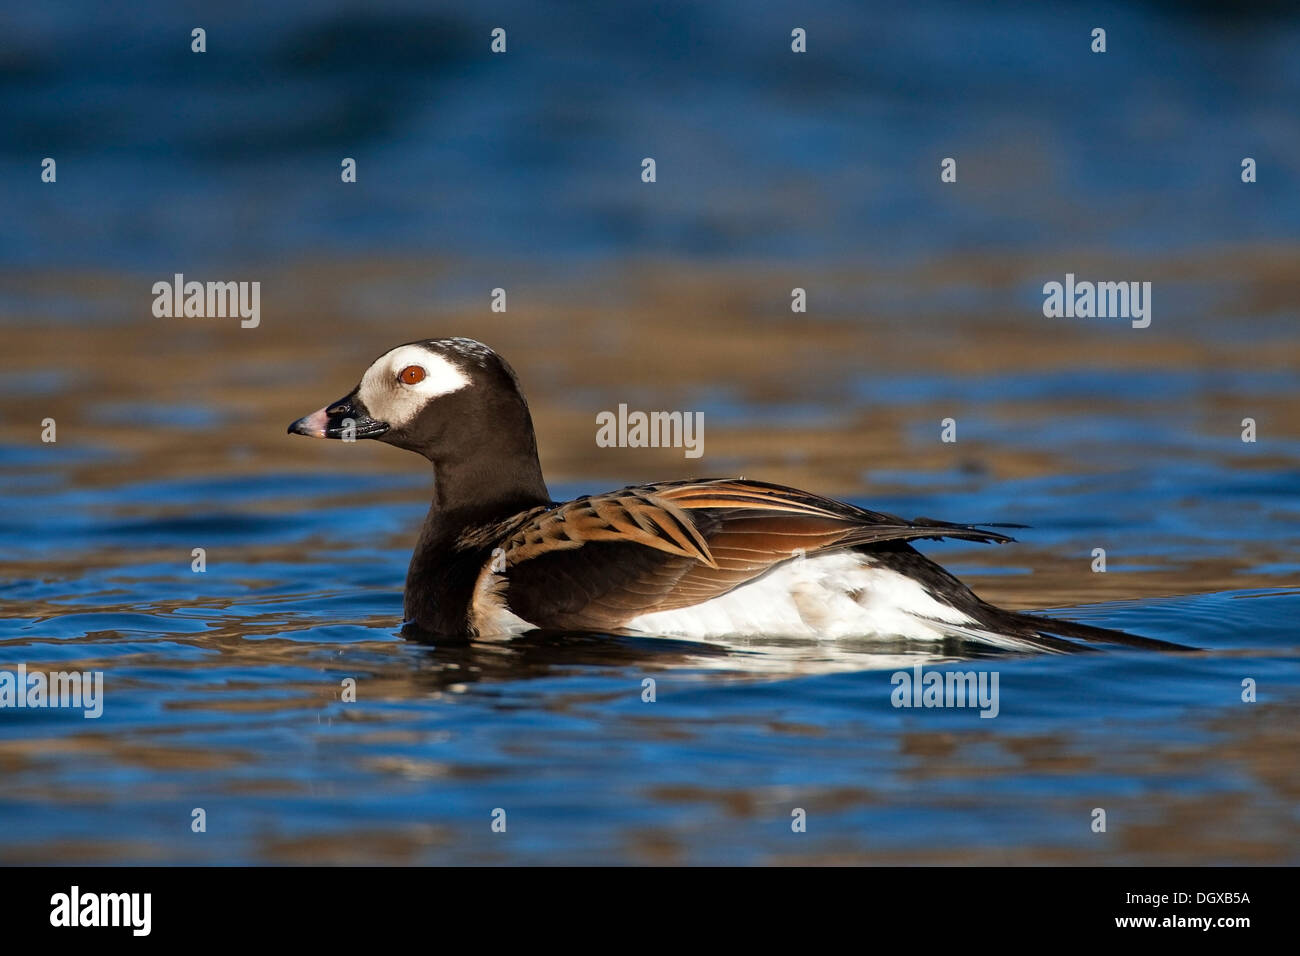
469	491
485	488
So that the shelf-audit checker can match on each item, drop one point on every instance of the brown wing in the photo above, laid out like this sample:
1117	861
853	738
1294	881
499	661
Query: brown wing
597	562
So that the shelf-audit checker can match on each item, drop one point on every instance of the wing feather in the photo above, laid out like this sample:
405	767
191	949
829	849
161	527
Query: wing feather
601	560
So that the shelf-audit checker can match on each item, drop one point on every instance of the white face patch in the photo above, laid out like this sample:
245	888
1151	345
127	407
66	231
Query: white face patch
390	400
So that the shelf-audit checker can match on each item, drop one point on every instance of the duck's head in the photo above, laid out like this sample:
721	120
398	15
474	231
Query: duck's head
436	397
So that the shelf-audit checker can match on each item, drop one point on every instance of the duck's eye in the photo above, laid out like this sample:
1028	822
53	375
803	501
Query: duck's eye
411	375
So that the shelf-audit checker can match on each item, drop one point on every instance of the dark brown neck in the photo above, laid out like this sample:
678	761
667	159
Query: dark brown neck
485	488
490	485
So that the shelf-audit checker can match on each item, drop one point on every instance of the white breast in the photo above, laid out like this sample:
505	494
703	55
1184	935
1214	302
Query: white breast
489	616
841	594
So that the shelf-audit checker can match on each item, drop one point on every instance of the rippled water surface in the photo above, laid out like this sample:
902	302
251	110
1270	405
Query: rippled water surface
224	688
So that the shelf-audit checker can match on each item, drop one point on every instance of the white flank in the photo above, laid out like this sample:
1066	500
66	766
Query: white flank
840	594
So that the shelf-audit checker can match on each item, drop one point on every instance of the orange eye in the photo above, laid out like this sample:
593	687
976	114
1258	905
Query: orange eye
411	375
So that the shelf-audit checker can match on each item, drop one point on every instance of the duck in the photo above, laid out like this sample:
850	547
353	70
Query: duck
703	559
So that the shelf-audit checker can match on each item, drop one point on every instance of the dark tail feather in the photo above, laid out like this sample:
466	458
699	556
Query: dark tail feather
968	532
1008	629
1051	630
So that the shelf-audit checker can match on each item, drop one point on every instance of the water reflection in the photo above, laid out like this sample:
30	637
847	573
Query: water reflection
224	689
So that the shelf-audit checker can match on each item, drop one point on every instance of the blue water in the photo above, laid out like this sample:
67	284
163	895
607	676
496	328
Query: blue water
171	159
223	692
223	688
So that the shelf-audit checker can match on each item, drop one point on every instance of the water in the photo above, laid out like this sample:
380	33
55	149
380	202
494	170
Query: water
234	155
223	689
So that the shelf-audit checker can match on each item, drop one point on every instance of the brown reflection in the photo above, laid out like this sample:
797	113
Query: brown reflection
682	330
670	331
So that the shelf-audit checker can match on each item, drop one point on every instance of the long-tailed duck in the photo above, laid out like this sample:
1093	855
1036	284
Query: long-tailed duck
698	559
